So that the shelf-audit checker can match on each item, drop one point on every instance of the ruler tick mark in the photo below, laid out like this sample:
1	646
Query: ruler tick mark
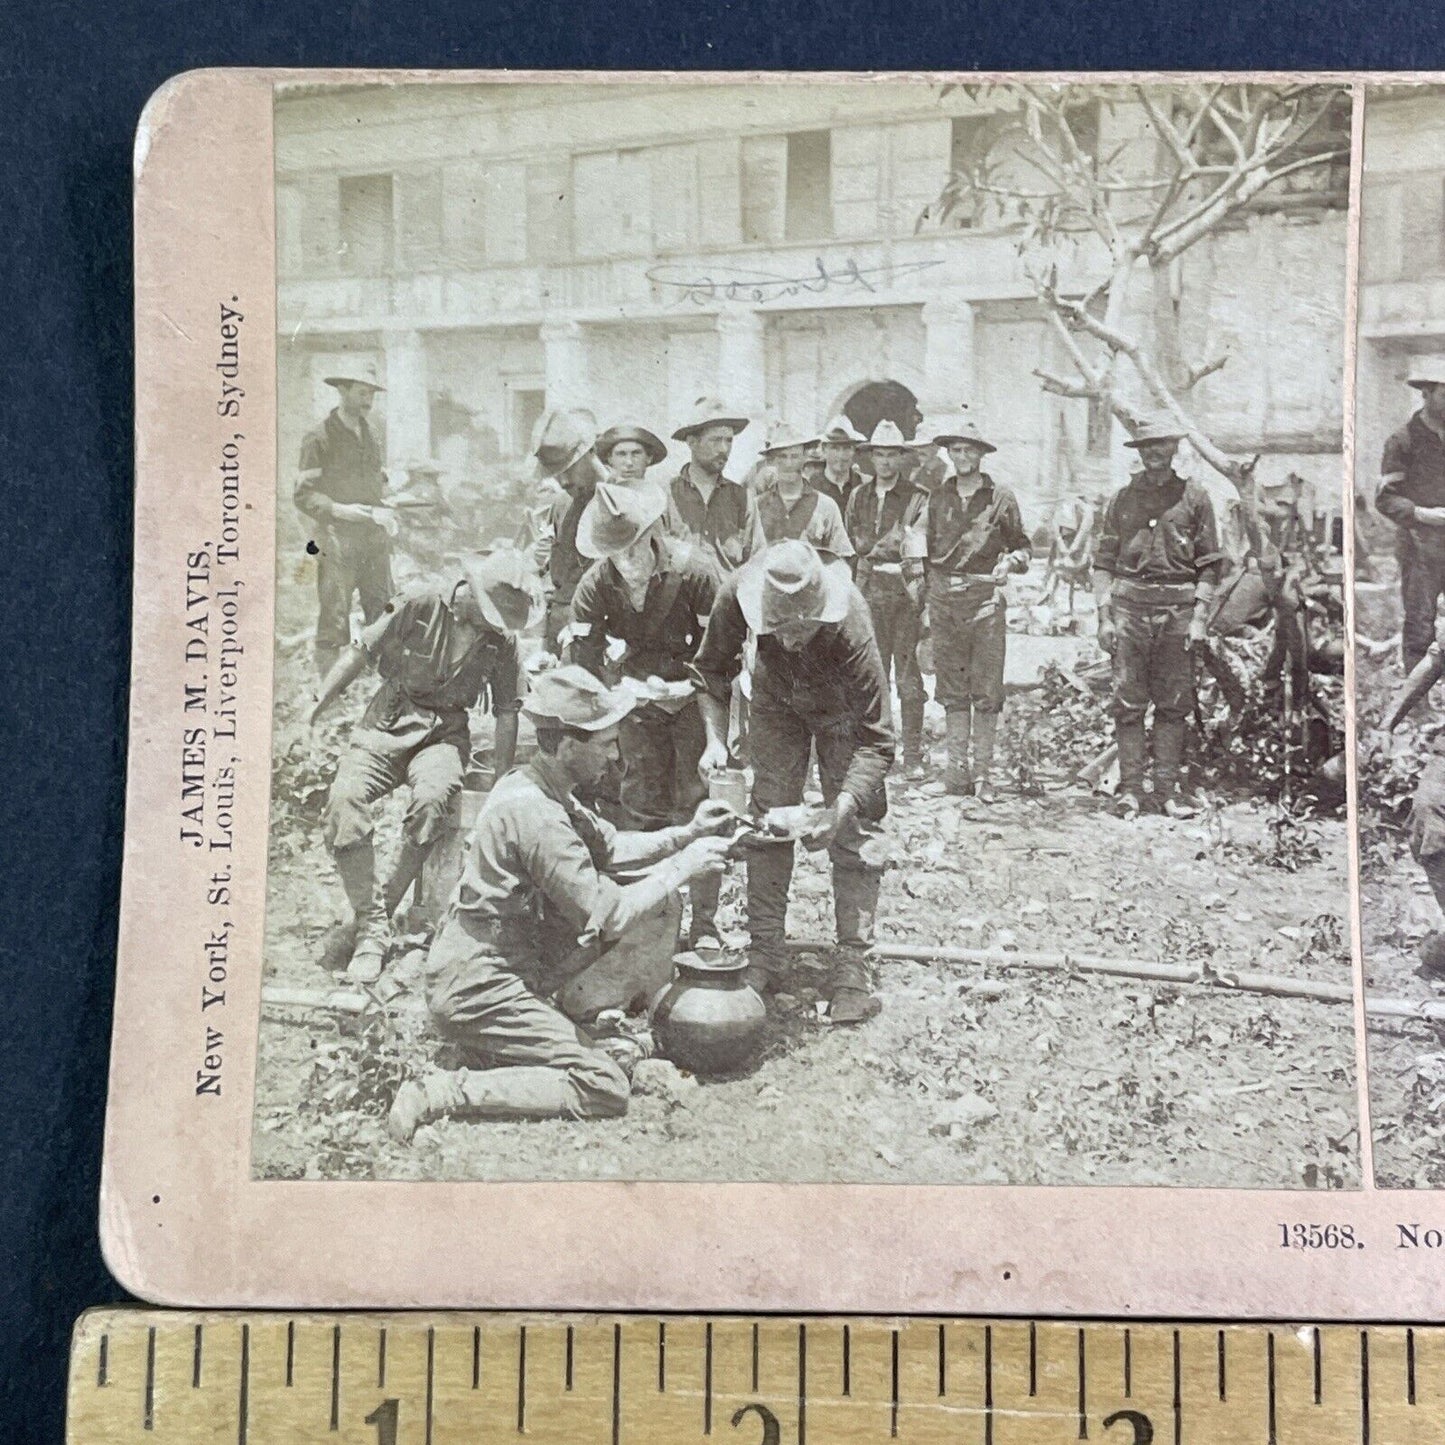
149	1418
1083	1390
1221	1365
1033	1360
803	1384
1410	1367
1128	1366
893	1388
847	1361
1178	1390
336	1377
755	1358
942	1362
617	1382
568	1372
521	1379
1269	1388
477	1355
381	1359
196	1362
1319	1373
290	1352
102	1364
987	1381
707	1380
431	1361
662	1356
243	1412
1364	1387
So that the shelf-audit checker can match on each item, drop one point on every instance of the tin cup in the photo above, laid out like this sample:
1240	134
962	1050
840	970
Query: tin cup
730	786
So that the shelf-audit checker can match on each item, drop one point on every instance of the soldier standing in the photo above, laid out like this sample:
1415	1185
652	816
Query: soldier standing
437	652
628	452
1156	568
787	506
707	507
974	539
653	594
837	476
1412	496
541	937
339	486
817	683
885	522
563	451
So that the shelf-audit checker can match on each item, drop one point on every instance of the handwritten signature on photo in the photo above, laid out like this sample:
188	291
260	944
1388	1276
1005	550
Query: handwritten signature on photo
734	283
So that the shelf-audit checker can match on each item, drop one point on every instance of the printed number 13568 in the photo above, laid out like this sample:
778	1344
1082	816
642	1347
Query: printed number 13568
1319	1236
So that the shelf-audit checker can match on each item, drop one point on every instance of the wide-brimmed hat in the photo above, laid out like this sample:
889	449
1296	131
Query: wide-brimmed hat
1426	371
570	697
651	444
886	435
1156	429
840	429
355	373
709	411
789	582
960	427
782	436
617	516
506	588
561	437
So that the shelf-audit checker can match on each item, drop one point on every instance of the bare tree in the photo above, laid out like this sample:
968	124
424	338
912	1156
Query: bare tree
1210	151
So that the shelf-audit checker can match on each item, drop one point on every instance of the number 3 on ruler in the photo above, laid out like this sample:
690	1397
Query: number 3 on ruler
1141	1425
384	1418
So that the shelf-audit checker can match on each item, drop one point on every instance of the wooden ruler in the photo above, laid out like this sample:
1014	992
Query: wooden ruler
488	1379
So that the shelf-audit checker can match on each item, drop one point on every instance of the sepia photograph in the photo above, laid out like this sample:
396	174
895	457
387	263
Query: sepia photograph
809	637
1399	500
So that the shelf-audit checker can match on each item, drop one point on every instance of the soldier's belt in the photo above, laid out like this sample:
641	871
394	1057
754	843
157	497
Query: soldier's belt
1153	594
962	581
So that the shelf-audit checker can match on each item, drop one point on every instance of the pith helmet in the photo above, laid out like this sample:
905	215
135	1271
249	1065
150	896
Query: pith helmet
886	436
508	592
617	516
709	411
840	429
561	437
571	697
1426	371
1156	429
355	373
790	582
961	428
783	435
654	448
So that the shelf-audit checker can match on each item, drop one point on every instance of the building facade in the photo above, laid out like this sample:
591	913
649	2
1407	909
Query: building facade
502	248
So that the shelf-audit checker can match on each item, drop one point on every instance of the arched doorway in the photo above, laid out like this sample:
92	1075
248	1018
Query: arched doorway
877	401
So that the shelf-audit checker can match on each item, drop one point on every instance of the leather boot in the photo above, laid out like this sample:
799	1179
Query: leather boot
770	871
855	909
357	867
985	731
1169	766
913	768
959	777
1130	739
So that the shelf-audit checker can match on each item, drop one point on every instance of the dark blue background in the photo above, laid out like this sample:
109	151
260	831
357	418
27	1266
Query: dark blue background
75	77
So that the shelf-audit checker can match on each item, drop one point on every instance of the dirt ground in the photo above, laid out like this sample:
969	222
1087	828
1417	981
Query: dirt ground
1397	910
969	1074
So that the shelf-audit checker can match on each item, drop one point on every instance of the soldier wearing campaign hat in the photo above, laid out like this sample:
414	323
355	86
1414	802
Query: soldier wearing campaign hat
1156	569
1412	495
628	452
542	942
650	594
834	473
338	488
707	506
438	652
787	505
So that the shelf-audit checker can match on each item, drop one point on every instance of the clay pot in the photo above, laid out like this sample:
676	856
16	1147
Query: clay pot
709	1021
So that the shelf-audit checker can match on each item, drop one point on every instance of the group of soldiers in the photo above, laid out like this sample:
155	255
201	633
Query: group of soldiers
691	620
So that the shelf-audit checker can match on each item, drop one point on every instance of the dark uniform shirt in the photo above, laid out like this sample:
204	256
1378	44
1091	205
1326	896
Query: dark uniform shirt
726	524
1156	532
338	465
813	517
969	536
1412	471
837	677
881	529
663	636
426	666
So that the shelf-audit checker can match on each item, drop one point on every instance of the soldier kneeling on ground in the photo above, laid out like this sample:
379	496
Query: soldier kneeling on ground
543	935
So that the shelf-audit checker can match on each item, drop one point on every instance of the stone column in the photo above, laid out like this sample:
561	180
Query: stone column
565	361
948	359
406	402
741	361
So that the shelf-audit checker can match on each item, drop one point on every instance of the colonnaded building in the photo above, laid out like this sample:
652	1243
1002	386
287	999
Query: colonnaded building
500	248
1402	263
